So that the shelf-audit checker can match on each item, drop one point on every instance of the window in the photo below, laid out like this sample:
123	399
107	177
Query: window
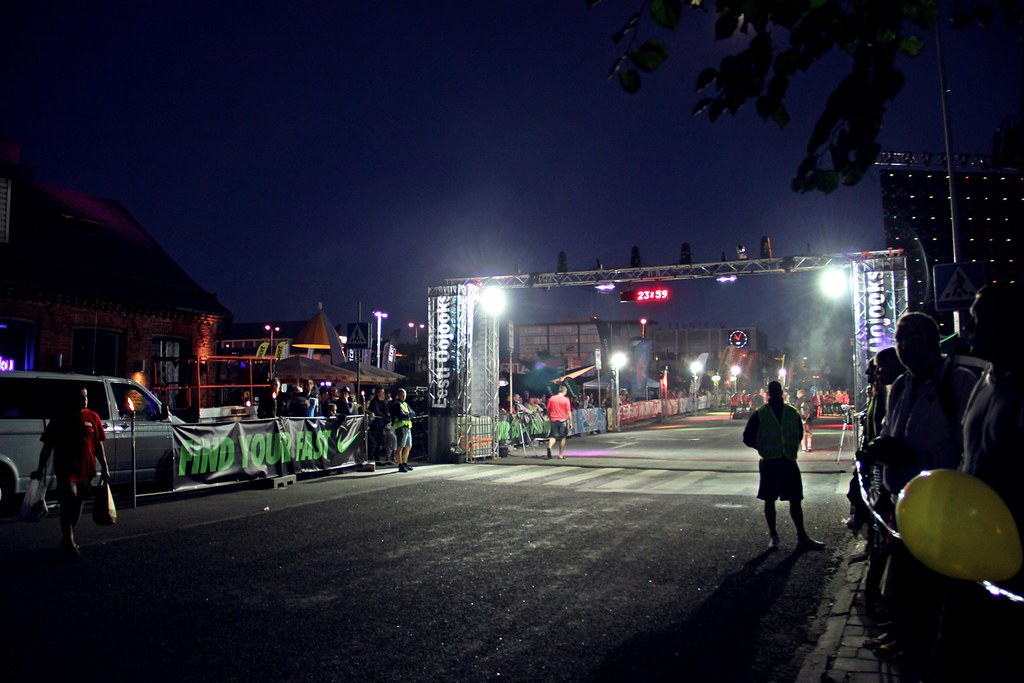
97	352
146	408
5	210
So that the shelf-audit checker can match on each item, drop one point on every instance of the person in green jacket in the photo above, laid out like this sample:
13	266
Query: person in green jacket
775	430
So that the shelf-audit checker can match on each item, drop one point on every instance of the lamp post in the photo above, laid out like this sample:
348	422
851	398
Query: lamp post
735	370
380	315
618	360
696	368
271	329
416	330
643	328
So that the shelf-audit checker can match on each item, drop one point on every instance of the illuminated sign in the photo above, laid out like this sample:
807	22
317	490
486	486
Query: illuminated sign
645	294
6	364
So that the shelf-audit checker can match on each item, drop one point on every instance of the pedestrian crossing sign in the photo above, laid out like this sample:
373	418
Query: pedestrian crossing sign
358	336
956	284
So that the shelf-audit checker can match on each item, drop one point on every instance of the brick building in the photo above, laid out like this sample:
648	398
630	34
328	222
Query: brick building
84	287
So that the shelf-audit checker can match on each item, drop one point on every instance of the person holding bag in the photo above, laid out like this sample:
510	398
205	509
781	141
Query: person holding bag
75	438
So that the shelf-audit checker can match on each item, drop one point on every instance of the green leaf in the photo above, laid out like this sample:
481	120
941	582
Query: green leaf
701	106
725	26
649	56
667	13
706	78
826	181
629	79
716	109
911	46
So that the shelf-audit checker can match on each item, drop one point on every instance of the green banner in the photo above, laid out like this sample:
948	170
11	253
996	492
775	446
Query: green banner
260	449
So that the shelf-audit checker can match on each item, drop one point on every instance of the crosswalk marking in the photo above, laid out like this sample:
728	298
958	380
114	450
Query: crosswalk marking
623	480
586	474
634	480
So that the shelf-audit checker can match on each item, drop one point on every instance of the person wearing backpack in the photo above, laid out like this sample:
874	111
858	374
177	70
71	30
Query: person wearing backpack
981	634
922	431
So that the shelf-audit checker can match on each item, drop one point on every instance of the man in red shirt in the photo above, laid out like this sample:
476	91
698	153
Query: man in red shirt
560	414
75	436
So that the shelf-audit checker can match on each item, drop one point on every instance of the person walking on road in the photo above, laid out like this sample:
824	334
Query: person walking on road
775	431
560	414
75	438
808	412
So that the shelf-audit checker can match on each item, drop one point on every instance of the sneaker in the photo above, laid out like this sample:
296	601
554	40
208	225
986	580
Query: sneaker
408	467
773	542
808	543
401	468
875	643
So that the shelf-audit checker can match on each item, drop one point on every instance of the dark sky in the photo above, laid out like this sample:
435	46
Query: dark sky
358	153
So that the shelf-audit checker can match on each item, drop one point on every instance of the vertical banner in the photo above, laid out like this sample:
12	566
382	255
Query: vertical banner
641	363
879	299
449	340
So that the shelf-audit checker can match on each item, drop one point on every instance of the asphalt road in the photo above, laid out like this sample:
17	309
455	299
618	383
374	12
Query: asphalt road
570	570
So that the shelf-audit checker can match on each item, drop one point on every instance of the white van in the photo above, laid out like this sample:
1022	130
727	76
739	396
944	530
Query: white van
27	402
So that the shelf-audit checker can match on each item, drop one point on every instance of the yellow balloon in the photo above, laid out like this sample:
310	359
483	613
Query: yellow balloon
957	525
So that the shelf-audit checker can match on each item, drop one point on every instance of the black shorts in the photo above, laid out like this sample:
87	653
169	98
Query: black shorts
559	429
780	479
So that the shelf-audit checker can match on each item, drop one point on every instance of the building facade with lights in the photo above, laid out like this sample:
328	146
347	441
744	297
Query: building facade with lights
917	218
84	288
572	344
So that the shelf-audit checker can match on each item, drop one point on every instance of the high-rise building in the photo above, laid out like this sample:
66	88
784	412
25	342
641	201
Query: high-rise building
989	205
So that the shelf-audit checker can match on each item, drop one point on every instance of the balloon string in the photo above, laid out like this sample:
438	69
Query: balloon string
992	588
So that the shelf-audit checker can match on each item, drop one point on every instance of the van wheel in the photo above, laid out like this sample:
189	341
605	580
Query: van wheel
6	490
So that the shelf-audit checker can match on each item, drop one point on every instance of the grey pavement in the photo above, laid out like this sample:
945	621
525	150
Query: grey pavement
839	655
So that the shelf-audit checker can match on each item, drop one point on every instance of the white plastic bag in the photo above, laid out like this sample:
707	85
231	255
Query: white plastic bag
33	507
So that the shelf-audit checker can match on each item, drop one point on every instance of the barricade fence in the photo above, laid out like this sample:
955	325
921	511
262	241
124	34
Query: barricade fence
262	449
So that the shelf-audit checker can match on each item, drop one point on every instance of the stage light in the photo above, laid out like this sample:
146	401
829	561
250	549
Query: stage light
834	283
493	301
685	257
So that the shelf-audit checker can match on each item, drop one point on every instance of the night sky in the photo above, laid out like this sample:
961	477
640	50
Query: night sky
357	153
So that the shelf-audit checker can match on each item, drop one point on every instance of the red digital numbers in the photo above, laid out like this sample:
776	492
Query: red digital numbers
644	295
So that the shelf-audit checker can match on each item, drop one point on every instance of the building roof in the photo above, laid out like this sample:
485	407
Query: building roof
67	242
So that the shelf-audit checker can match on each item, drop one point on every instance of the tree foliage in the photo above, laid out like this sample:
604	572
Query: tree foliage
788	37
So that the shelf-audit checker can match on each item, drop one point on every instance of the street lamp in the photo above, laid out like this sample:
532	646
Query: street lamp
696	368
735	370
643	328
618	361
416	330
380	315
271	329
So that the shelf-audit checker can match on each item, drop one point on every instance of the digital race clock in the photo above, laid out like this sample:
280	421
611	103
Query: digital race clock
645	294
738	339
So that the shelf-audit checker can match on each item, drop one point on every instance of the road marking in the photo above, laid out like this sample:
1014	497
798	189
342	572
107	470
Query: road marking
627	480
636	480
682	481
587	473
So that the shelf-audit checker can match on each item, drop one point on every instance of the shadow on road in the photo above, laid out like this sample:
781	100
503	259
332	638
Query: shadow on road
720	641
